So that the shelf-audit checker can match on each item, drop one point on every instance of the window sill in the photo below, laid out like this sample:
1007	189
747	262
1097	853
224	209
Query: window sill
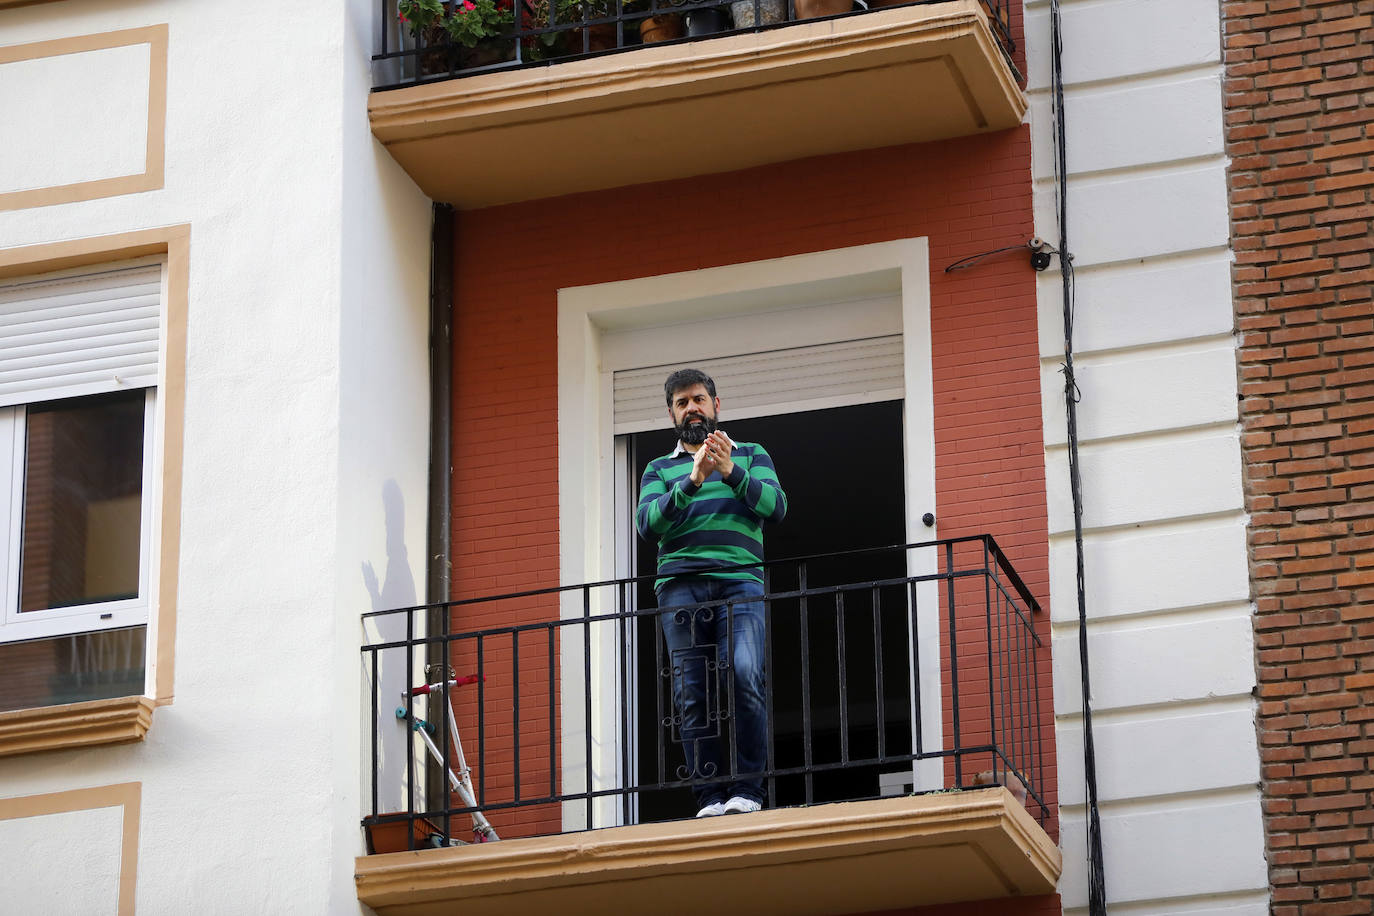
849	857
50	728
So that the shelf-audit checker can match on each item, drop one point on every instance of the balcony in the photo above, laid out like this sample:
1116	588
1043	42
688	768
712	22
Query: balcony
904	730
577	100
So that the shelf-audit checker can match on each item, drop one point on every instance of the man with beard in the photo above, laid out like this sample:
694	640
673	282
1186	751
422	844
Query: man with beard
705	505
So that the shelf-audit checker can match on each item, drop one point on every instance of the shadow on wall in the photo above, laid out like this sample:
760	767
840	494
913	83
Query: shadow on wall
396	590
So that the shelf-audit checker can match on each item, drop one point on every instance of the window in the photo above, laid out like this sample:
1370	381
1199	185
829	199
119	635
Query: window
78	451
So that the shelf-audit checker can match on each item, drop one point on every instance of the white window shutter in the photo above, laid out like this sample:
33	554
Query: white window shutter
77	335
771	382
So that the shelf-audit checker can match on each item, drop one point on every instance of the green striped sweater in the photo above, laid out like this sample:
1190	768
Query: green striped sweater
704	530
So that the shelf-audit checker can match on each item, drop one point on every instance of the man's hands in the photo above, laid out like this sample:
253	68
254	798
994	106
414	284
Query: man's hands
713	455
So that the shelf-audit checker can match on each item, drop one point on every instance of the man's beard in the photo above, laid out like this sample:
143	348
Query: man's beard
695	433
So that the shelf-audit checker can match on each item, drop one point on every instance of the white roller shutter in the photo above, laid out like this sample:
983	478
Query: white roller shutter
76	335
772	382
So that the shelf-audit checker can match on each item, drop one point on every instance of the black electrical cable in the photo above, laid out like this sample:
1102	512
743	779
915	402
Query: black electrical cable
1097	884
971	260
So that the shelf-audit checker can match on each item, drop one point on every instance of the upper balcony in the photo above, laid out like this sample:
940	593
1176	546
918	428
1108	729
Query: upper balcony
581	95
905	727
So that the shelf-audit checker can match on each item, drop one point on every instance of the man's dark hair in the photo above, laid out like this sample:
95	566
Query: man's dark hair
686	378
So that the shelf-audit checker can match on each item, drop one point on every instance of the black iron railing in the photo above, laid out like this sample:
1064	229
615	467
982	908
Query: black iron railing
427	40
899	670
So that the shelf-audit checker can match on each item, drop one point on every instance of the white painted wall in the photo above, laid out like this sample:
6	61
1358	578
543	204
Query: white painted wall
1170	644
103	129
306	428
50	843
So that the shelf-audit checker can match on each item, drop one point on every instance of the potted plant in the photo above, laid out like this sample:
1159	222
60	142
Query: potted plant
601	36
814	9
475	26
707	21
660	24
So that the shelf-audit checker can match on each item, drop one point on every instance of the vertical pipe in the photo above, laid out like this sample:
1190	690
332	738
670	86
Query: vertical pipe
438	529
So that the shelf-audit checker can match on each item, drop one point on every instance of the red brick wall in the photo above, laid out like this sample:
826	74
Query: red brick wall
1299	91
966	196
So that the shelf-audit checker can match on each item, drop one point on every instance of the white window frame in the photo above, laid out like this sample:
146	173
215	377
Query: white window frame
16	625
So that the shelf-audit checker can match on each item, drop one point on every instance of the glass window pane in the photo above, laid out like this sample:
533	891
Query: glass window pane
71	669
83	494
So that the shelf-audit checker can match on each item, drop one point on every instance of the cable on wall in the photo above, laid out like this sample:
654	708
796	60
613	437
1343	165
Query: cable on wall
1097	885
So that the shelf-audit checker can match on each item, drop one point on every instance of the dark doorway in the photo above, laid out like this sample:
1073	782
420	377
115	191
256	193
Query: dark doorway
842	469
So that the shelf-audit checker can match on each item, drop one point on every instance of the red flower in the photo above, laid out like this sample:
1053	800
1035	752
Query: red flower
469	5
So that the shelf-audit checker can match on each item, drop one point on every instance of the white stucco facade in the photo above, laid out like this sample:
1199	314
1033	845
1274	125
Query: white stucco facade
306	439
1170	643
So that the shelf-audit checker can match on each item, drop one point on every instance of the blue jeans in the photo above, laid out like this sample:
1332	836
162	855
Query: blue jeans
705	643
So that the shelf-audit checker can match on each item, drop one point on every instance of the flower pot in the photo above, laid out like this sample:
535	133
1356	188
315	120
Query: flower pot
391	837
706	22
770	11
814	9
599	38
663	27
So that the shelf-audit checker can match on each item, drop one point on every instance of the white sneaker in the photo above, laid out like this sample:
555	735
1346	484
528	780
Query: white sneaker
715	809
741	805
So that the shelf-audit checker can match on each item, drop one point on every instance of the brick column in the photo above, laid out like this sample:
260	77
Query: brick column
1300	133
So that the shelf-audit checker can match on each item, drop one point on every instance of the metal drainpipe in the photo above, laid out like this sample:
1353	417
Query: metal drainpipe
438	570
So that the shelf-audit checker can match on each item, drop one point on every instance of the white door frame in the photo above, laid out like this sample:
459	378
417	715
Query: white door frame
599	331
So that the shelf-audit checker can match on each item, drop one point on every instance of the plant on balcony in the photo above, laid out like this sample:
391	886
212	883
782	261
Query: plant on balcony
475	25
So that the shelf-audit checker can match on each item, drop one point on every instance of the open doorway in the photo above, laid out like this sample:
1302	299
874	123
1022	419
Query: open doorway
842	469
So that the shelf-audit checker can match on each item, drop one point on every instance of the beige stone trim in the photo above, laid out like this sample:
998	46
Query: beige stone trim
857	856
127	796
174	242
48	728
154	160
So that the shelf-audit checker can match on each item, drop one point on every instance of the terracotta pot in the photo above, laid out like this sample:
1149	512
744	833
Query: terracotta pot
663	27
814	9
384	838
599	38
770	11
